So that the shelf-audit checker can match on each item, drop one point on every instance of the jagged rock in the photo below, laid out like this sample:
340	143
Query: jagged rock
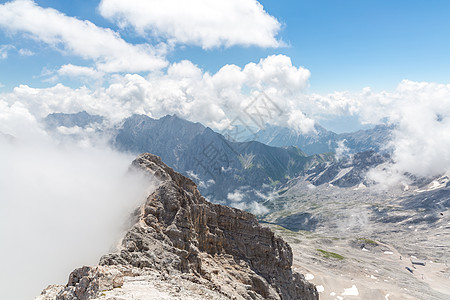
184	238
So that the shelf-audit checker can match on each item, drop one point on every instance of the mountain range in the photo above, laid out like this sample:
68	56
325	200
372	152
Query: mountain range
322	140
222	167
356	238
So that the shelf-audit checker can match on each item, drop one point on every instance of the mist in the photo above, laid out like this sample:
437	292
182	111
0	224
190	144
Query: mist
62	206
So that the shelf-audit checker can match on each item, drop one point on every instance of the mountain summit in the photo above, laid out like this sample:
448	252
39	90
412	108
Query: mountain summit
182	246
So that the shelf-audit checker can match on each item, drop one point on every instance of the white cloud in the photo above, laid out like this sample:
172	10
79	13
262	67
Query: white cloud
341	150
300	123
236	196
253	207
81	38
207	23
4	51
57	198
26	52
185	90
421	113
70	70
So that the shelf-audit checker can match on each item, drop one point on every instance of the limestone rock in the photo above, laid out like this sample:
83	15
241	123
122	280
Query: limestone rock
208	251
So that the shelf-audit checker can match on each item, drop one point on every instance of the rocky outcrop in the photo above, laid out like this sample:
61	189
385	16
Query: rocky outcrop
213	251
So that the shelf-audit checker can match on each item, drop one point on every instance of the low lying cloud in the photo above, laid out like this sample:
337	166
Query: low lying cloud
63	205
253	207
236	196
420	112
206	23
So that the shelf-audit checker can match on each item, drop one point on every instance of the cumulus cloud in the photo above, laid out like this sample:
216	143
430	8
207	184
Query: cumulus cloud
81	38
420	111
59	200
206	23
185	90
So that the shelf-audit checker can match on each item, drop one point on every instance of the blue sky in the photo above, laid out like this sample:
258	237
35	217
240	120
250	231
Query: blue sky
346	45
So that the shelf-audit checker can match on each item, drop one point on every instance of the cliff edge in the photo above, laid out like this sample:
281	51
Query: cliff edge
183	247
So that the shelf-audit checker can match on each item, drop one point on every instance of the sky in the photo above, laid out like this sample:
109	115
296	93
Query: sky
347	45
344	64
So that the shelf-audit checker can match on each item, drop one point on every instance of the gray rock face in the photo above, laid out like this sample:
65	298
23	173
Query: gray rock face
220	166
347	172
178	233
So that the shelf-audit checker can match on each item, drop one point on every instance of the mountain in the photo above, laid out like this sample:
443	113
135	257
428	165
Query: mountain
347	172
181	246
241	173
313	143
81	119
220	167
322	140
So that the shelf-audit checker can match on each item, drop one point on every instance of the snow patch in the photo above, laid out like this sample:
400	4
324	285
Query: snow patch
309	276
353	291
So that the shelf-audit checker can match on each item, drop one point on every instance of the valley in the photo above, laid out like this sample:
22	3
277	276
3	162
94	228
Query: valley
366	238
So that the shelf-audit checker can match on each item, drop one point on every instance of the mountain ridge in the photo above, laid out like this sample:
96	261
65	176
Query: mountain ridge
179	236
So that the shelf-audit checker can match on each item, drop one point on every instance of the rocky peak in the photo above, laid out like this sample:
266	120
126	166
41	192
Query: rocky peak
214	251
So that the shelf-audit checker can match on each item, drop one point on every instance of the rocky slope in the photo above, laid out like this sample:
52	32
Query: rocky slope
184	247
218	165
359	242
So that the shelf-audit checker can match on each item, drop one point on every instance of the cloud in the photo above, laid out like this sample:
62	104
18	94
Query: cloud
253	207
341	150
422	137
420	112
26	52
236	196
59	200
70	70
185	90
81	38
4	51
206	23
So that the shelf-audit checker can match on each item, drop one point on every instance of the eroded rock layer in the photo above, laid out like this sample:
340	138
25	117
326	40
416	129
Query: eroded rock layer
182	246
